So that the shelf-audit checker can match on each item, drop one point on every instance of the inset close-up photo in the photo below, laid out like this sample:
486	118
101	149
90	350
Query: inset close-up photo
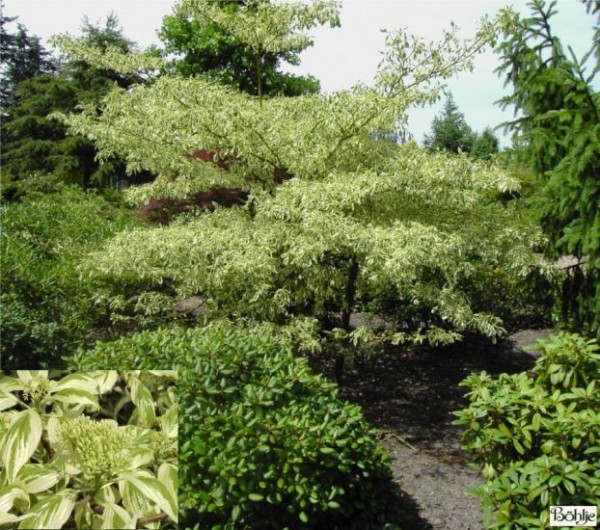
87	450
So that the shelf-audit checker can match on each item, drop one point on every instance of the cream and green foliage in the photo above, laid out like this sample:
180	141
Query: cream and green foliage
262	27
362	221
93	449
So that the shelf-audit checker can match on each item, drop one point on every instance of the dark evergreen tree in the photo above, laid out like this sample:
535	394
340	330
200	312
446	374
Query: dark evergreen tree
93	83
38	144
485	145
560	138
450	131
23	57
34	142
204	49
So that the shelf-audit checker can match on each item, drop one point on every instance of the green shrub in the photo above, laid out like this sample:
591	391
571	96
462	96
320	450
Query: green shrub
264	443
535	435
88	450
46	306
520	301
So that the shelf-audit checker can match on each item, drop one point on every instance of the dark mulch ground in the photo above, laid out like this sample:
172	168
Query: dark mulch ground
411	396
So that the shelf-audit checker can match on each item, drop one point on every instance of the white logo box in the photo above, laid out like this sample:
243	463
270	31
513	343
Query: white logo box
580	516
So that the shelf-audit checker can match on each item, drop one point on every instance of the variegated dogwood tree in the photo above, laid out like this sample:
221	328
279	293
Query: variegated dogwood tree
93	449
353	221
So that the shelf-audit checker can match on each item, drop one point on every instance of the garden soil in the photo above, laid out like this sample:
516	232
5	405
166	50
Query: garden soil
410	397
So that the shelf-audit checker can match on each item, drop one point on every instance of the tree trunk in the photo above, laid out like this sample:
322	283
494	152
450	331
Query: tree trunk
346	313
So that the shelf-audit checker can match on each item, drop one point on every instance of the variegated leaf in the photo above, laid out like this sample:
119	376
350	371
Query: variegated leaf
51	512
167	475
142	399
8	496
35	478
9	518
52	425
10	384
105	380
76	381
7	400
133	499
106	495
20	441
152	489
170	421
116	517
83	516
26	376
164	373
142	456
82	398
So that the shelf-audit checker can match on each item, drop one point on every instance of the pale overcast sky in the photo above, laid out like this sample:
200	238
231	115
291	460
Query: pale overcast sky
343	56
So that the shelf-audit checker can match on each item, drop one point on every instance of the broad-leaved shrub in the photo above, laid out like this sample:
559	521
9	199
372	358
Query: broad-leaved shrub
46	306
536	435
264	442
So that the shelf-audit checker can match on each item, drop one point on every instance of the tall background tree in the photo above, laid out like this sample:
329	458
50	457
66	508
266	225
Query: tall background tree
38	85
23	57
559	131
206	47
451	132
485	144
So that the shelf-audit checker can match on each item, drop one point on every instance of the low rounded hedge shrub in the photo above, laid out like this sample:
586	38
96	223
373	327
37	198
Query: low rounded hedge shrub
536	435
264	443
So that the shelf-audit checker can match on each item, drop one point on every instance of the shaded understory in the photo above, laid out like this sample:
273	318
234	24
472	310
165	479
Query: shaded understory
410	395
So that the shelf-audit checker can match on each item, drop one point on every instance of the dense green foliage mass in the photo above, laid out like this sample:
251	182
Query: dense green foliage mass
559	133
535	435
23	57
485	145
264	443
450	132
46	307
34	142
203	47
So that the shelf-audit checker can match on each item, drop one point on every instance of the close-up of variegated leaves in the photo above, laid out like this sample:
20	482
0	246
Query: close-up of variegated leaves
85	450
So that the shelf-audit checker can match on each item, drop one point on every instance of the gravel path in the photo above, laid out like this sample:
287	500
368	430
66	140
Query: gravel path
411	397
438	488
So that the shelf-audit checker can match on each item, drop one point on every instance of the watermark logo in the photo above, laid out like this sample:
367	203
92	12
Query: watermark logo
573	516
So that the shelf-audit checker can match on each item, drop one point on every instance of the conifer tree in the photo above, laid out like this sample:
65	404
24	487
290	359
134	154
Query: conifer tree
485	145
33	142
23	57
559	133
450	131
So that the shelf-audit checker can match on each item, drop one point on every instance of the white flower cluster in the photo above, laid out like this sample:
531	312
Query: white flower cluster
100	449
36	389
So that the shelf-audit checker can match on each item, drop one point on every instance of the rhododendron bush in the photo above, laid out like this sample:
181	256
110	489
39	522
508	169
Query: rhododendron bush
94	449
